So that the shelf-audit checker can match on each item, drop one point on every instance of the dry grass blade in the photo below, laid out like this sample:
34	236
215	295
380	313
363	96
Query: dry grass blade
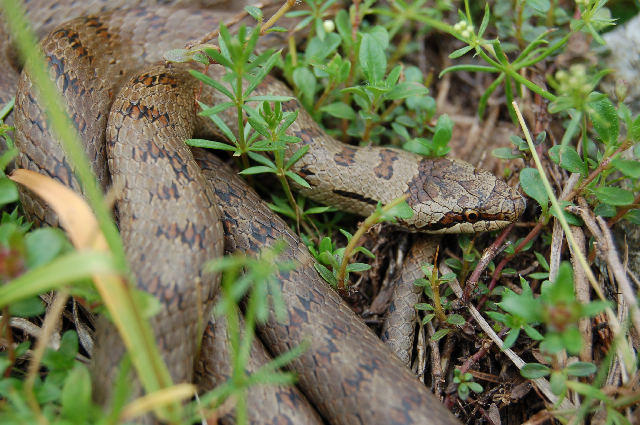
75	215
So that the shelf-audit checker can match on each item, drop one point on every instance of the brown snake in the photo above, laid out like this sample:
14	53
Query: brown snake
169	220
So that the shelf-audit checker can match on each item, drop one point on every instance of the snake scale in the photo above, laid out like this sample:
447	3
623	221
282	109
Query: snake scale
173	214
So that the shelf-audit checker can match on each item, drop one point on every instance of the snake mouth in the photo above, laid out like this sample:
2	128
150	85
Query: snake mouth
469	221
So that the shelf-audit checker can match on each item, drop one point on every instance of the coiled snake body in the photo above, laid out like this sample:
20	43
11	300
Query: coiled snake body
169	220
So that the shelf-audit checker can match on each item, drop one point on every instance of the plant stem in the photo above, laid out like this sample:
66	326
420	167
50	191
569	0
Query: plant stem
354	242
283	9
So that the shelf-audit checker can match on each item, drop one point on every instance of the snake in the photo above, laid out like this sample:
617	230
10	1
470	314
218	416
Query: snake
180	207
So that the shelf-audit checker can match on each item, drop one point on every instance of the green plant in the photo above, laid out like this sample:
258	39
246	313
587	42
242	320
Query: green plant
465	384
339	259
253	280
440	299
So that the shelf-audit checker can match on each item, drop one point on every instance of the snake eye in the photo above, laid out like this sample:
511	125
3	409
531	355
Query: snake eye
471	215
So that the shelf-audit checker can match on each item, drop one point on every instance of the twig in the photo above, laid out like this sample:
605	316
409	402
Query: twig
607	251
487	256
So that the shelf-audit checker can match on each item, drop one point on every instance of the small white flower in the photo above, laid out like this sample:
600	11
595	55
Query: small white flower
328	25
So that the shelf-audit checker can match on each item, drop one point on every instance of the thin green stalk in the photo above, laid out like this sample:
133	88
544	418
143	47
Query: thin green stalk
239	102
435	289
626	352
355	239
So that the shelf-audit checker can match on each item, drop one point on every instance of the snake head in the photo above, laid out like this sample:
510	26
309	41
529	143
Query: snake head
450	196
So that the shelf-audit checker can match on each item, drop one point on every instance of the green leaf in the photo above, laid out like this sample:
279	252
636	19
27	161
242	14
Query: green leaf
485	20
572	219
442	134
534	371
542	261
532	332
456	319
224	128
8	191
523	305
297	179
269	98
439	334
339	110
262	159
372	59
406	89
257	170
317	50
76	394
581	369
27	307
64	358
43	245
326	274
541	6
460	52
305	81
561	290
463	391
381	36
61	271
613	195
213	83
634	131
364	251
210	144
558	383
505	153
358	267
532	185
255	12
511	338
475	387
627	167
605	120
401	210
325	244
589	391
633	216
215	109
568	158
296	156
572	340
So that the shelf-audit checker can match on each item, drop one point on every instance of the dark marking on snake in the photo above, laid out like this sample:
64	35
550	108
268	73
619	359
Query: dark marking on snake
169	192
307	135
417	186
136	112
290	105
384	169
189	234
355	196
151	80
346	156
305	172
